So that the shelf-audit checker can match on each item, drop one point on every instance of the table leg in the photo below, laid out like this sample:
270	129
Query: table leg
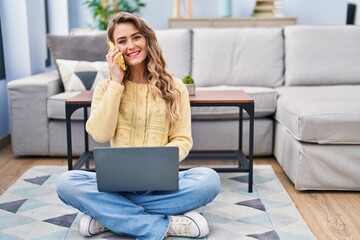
86	138
250	110
240	147
68	111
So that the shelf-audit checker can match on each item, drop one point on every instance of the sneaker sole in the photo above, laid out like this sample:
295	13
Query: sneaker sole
200	222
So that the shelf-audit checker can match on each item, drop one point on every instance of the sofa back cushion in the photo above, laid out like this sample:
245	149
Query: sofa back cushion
78	47
238	57
322	55
176	47
85	45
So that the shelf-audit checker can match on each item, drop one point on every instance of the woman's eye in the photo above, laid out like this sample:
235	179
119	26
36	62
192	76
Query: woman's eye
122	42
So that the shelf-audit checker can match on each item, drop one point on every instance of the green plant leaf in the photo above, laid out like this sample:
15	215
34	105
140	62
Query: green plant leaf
188	80
102	15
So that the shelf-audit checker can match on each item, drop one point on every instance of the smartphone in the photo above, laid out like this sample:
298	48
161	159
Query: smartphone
121	60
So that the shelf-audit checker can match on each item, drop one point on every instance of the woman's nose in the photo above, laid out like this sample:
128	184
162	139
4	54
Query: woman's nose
130	45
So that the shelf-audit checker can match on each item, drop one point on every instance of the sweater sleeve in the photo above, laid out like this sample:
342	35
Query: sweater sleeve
180	135
105	104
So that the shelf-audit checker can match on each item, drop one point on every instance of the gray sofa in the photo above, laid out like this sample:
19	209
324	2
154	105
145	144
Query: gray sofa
305	81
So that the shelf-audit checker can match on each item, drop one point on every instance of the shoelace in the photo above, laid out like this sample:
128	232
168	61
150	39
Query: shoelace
180	226
98	227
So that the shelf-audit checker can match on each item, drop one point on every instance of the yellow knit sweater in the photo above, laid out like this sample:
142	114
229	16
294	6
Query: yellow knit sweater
130	116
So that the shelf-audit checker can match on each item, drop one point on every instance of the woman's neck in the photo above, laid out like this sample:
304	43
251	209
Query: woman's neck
139	79
138	75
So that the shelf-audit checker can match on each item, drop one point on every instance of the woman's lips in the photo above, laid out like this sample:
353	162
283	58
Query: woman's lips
133	54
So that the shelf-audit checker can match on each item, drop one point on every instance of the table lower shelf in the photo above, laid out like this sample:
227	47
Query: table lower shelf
240	160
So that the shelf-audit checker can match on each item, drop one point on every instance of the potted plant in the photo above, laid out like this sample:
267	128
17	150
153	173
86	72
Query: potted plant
103	11
190	84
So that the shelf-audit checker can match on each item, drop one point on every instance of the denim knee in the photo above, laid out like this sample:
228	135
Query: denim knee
210	182
62	184
213	181
65	184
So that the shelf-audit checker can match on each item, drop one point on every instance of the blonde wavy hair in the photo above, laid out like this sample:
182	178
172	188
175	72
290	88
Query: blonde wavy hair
161	82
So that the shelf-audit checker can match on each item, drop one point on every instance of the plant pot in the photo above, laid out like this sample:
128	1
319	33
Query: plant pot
191	89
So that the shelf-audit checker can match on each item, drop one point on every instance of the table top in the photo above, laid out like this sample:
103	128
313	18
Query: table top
201	97
84	97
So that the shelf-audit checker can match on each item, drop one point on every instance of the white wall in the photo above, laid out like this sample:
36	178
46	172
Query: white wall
36	37
4	115
58	16
79	15
317	12
15	39
157	12
200	9
23	32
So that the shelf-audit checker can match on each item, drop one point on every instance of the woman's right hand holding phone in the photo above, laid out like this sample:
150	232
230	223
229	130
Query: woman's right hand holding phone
114	58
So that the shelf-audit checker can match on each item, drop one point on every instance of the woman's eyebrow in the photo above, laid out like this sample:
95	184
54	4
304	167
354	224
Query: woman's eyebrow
123	37
135	34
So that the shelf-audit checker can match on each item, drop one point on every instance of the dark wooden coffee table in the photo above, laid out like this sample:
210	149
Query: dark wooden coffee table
203	98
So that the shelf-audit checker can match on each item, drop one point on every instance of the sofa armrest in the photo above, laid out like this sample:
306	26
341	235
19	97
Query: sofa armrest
28	112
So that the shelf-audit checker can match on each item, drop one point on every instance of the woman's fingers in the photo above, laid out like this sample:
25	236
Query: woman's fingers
116	73
110	56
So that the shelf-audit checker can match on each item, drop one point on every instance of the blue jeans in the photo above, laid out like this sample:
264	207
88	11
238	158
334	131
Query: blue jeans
144	216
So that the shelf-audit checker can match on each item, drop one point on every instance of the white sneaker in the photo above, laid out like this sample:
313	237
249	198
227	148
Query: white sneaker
89	226
191	224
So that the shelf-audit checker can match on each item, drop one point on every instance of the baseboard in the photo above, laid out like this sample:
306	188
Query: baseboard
4	141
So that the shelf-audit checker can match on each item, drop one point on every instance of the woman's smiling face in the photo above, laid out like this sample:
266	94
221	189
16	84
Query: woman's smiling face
131	43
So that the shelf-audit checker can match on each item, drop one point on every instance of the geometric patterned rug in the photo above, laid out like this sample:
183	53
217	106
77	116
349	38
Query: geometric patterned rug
30	209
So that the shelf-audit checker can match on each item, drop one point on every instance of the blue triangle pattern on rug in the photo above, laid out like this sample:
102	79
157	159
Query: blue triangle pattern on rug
266	213
64	221
38	180
255	203
13	206
272	235
243	179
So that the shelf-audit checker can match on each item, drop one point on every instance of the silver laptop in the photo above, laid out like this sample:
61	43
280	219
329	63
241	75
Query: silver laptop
132	169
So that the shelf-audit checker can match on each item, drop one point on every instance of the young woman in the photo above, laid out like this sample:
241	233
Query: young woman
141	106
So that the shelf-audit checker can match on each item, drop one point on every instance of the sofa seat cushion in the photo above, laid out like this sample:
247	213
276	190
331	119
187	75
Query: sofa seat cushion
321	114
56	106
238	57
265	104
